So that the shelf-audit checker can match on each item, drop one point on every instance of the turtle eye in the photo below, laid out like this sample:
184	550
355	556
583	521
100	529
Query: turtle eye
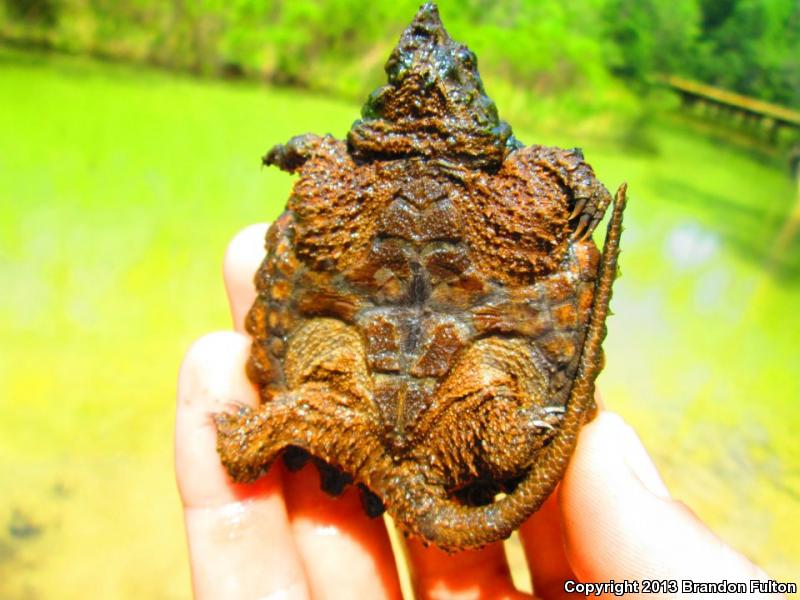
467	58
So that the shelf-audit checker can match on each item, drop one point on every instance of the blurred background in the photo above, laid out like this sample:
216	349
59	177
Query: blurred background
130	137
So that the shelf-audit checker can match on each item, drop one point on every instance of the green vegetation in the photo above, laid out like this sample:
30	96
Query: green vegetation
118	193
548	47
749	46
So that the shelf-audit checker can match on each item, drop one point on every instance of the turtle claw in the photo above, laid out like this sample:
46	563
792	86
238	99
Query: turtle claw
548	417
543	425
592	226
579	206
225	422
581	228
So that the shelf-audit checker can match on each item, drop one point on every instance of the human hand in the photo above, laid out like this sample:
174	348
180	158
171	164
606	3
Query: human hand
283	538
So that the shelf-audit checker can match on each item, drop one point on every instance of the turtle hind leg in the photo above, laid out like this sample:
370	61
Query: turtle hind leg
295	458
371	502
332	481
243	443
311	418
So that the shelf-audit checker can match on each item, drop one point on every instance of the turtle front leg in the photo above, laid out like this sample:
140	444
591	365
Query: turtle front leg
590	197
293	154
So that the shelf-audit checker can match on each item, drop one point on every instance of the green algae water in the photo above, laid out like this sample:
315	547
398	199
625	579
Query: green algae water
119	189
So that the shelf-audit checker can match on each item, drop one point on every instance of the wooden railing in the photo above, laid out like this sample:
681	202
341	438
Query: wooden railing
771	117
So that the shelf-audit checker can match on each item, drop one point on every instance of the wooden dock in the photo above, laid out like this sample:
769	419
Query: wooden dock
768	117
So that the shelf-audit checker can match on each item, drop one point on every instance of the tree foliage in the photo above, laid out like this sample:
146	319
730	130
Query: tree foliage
751	46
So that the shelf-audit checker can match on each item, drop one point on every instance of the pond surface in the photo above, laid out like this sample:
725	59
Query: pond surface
119	190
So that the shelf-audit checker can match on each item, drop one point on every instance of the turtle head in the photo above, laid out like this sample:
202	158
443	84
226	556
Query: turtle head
433	105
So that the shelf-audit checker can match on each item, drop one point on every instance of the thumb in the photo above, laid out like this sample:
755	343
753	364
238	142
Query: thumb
621	523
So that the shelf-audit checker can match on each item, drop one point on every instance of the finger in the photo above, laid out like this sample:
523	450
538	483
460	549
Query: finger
240	542
336	540
210	380
346	554
598	400
242	259
465	575
621	523
543	541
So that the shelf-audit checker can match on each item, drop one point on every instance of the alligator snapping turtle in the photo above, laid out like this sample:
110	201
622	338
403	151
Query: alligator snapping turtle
431	307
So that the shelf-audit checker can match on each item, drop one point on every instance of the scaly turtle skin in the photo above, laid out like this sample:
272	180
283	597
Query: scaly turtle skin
431	306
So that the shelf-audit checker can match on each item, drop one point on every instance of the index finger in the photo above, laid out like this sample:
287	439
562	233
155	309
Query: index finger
232	530
334	537
242	258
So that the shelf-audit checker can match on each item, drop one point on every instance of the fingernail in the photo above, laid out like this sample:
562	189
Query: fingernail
635	456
